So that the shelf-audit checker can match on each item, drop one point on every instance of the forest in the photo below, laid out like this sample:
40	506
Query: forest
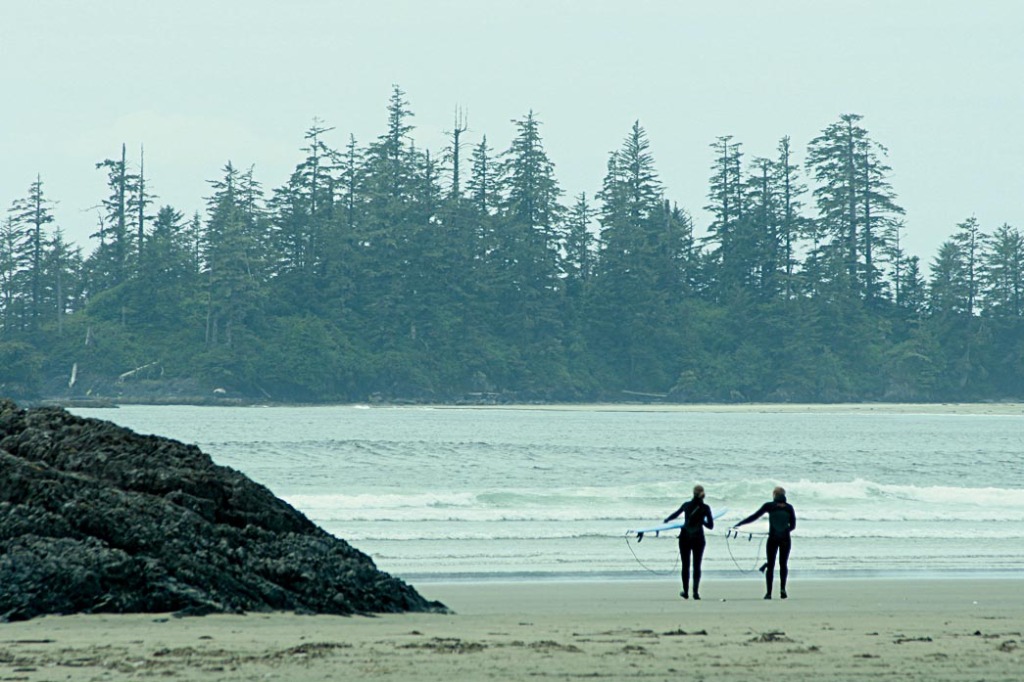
384	272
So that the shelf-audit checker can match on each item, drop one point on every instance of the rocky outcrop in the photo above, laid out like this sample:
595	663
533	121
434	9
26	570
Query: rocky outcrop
96	518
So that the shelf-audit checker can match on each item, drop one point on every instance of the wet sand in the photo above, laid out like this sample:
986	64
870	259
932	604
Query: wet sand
908	629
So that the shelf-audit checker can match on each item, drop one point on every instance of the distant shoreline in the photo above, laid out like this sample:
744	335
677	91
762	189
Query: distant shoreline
984	408
1014	408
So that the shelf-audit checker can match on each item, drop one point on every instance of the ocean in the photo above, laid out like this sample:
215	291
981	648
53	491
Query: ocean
483	494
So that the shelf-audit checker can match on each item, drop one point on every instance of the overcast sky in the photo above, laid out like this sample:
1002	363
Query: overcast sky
201	82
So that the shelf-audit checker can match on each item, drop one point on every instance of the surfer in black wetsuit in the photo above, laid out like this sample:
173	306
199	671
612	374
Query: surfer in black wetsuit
781	520
696	516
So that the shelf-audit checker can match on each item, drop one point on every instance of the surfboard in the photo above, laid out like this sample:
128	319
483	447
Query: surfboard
671	526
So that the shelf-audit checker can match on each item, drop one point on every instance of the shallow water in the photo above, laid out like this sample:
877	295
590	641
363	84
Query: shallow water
439	493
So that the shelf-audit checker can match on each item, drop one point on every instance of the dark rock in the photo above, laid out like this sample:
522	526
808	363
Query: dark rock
96	518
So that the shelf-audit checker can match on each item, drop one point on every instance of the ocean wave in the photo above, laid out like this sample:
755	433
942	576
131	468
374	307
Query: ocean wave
865	490
856	500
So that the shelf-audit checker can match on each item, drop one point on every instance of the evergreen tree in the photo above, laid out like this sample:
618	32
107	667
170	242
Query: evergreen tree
344	237
193	238
968	238
761	230
484	179
483	199
454	156
853	196
168	280
1002	272
680	251
62	287
303	209
110	266
725	233
232	256
913	290
792	224
579	246
350	184
389	227
531	214
895	257
28	217
526	257
638	278
14	263
948	290
879	211
531	206
138	201
963	338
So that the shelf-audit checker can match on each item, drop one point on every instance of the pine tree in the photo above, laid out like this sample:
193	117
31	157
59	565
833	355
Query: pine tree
792	224
111	258
193	238
389	227
579	246
303	210
344	244
948	290
28	218
483	199
484	179
350	183
525	257
968	238
167	279
913	290
725	197
14	264
389	161
453	156
879	211
895	257
62	286
1002	272
232	254
760	232
853	196
639	277
531	196
531	223
139	199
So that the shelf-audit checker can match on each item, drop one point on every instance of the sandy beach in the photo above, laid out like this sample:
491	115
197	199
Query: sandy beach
909	629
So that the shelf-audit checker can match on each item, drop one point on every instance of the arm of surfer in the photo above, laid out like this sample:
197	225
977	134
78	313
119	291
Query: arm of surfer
675	514
753	517
792	517
709	518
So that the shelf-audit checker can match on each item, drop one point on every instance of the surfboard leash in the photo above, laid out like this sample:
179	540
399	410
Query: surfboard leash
732	532
647	568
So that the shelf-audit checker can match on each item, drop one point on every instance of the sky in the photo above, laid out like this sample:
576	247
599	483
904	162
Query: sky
198	83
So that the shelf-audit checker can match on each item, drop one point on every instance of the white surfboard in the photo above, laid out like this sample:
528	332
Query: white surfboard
640	532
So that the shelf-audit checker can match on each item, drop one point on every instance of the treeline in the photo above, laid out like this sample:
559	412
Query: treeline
385	270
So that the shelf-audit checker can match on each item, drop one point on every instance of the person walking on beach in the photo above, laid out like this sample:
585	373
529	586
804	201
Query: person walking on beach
696	516
781	520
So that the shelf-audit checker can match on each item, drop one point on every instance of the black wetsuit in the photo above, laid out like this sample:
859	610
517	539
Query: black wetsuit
781	520
697	515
